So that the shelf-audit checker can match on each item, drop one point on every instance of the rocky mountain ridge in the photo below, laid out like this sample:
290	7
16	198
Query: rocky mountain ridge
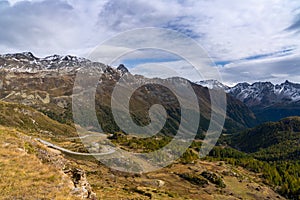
259	93
266	93
269	102
47	85
27	62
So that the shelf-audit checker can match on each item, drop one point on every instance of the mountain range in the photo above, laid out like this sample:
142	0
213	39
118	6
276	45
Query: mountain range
269	102
46	84
254	160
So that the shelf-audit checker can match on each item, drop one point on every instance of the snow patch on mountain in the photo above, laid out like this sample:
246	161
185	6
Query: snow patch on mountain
212	84
27	62
259	93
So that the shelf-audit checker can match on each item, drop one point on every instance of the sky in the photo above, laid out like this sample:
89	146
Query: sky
247	40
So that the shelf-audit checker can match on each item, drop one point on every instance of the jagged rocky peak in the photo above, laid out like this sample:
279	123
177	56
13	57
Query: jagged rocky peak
259	93
289	83
262	84
30	57
243	85
27	62
53	57
122	69
266	93
21	56
67	58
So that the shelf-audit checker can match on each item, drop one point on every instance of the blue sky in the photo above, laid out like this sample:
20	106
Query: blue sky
248	40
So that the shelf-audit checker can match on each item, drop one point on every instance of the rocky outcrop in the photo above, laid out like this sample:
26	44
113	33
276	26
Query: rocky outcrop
82	188
123	69
79	185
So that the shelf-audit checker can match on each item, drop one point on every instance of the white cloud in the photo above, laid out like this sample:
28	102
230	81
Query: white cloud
275	70
229	30
179	68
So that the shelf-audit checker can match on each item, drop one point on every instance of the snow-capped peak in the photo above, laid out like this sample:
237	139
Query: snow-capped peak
53	57
212	84
27	62
259	93
266	93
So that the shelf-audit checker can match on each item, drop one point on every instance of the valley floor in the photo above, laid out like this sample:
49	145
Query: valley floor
30	170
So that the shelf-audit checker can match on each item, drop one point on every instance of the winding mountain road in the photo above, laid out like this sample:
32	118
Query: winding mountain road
48	144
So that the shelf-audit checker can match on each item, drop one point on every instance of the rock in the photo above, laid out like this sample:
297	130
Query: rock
160	183
82	188
214	178
123	69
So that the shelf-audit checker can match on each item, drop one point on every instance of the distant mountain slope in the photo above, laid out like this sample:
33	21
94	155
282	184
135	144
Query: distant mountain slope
29	120
269	102
272	140
47	84
27	62
265	94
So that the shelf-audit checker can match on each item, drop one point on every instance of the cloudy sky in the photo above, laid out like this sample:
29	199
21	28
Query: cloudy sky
254	40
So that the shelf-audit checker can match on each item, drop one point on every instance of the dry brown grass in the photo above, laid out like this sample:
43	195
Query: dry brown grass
23	175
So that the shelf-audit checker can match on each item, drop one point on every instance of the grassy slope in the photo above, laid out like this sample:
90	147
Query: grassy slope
23	175
29	120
